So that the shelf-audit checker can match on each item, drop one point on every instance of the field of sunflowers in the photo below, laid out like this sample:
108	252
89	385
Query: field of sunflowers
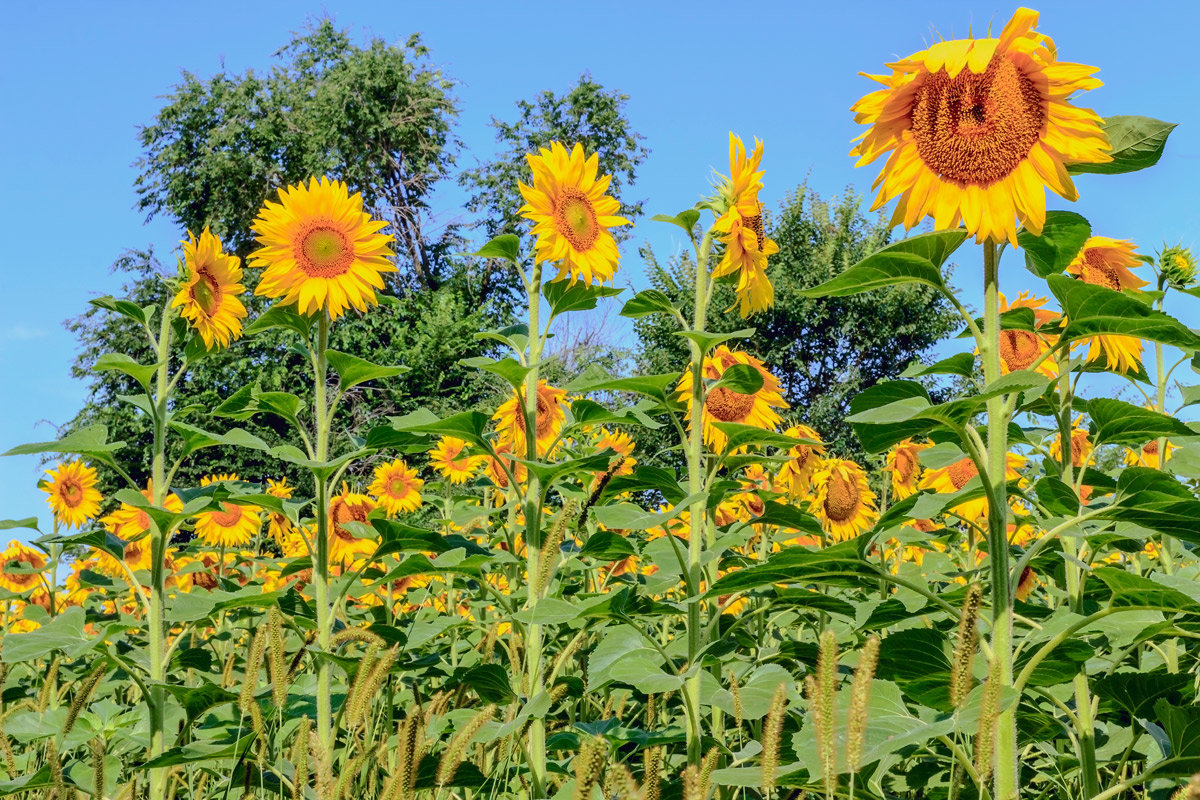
512	606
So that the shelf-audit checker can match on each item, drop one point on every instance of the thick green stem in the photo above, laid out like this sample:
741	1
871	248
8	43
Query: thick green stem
158	553
321	567
1006	767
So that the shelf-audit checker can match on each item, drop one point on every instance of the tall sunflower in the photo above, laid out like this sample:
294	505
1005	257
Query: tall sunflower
953	477
510	419
722	404
396	487
571	214
803	459
1081	445
233	525
128	522
1020	349
72	493
320	249
904	462
740	228
1109	262
278	525
209	295
975	128
349	506
449	457
842	499
20	567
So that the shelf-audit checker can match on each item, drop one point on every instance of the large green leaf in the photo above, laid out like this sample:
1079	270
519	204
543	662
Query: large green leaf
1118	422
353	370
1062	237
564	296
63	632
1095	310
142	373
647	302
1137	143
90	441
506	246
799	565
917	259
1134	591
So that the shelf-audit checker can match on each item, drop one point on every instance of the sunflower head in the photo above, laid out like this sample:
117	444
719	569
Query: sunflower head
396	487
1178	266
450	458
722	404
343	544
1109	263
740	228
510	420
1020	349
320	250
233	526
803	459
904	463
1081	445
72	493
212	281
20	567
571	214
842	499
975	128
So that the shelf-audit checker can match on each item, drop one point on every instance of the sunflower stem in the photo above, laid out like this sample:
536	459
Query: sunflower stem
321	568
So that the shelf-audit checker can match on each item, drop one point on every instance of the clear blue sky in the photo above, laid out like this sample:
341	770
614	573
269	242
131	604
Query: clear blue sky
80	77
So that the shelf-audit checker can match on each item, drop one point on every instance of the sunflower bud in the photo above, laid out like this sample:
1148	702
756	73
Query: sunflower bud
1178	267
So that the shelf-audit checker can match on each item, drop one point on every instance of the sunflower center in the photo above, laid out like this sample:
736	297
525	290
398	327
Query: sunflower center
755	505
229	517
347	512
905	465
545	425
755	223
1019	349
841	498
397	487
71	493
323	251
976	128
961	471
575	219
728	405
1078	441
1098	271
206	292
1151	449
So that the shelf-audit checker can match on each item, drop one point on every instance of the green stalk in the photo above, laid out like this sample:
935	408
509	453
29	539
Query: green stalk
321	568
536	737
1006	769
158	550
1166	556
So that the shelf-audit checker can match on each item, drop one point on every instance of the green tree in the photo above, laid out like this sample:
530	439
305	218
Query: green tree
826	351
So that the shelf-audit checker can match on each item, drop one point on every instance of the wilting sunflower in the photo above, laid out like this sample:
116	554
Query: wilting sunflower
20	567
396	487
320	249
449	457
1108	262
796	473
1019	349
510	420
975	129
740	228
1081	445
571	213
210	293
348	507
722	404
72	493
233	525
951	478
904	462
842	499
128	522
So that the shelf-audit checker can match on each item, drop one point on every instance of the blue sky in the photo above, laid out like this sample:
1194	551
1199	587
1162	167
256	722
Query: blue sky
80	78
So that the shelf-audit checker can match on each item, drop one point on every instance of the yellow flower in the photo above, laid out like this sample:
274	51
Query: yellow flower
842	499
72	493
1107	262
20	567
320	249
233	525
1019	349
210	294
348	507
975	128
725	405
278	525
741	229
397	487
510	420
494	469
803	459
620	443
1147	456
571	214
128	522
951	478
904	462
1081	445
450	459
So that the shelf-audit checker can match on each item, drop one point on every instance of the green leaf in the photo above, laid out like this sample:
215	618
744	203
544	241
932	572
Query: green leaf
279	316
1094	310
468	426
142	373
564	296
133	311
607	546
1134	591
490	682
958	364
707	340
506	246
793	565
1057	497
686	219
740	378
641	669
196	439
647	302
63	632
506	368
656	386
1118	422
353	370
90	441
28	522
1063	235
1182	727
917	259
1137	143
1137	692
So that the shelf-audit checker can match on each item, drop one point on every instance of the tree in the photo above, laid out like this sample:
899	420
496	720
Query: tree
826	351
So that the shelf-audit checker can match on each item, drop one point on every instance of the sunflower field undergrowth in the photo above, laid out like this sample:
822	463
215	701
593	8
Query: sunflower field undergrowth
509	602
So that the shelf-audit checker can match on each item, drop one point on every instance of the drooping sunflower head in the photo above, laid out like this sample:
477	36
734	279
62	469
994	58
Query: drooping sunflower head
842	499
803	459
740	228
396	487
320	250
209	296
510	420
722	404
975	128
345	546
72	493
1019	348
904	462
280	488
20	567
1109	263
450	458
571	214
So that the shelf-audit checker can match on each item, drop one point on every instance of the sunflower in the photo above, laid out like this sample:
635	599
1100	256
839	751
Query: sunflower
842	499
796	473
320	249
1081	445
209	295
450	459
510	419
953	477
396	487
904	462
1107	262
620	443
72	493
20	567
1147	456
740	228
571	213
494	469
722	404
233	525
975	128
1020	349
348	507
128	522
278	525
